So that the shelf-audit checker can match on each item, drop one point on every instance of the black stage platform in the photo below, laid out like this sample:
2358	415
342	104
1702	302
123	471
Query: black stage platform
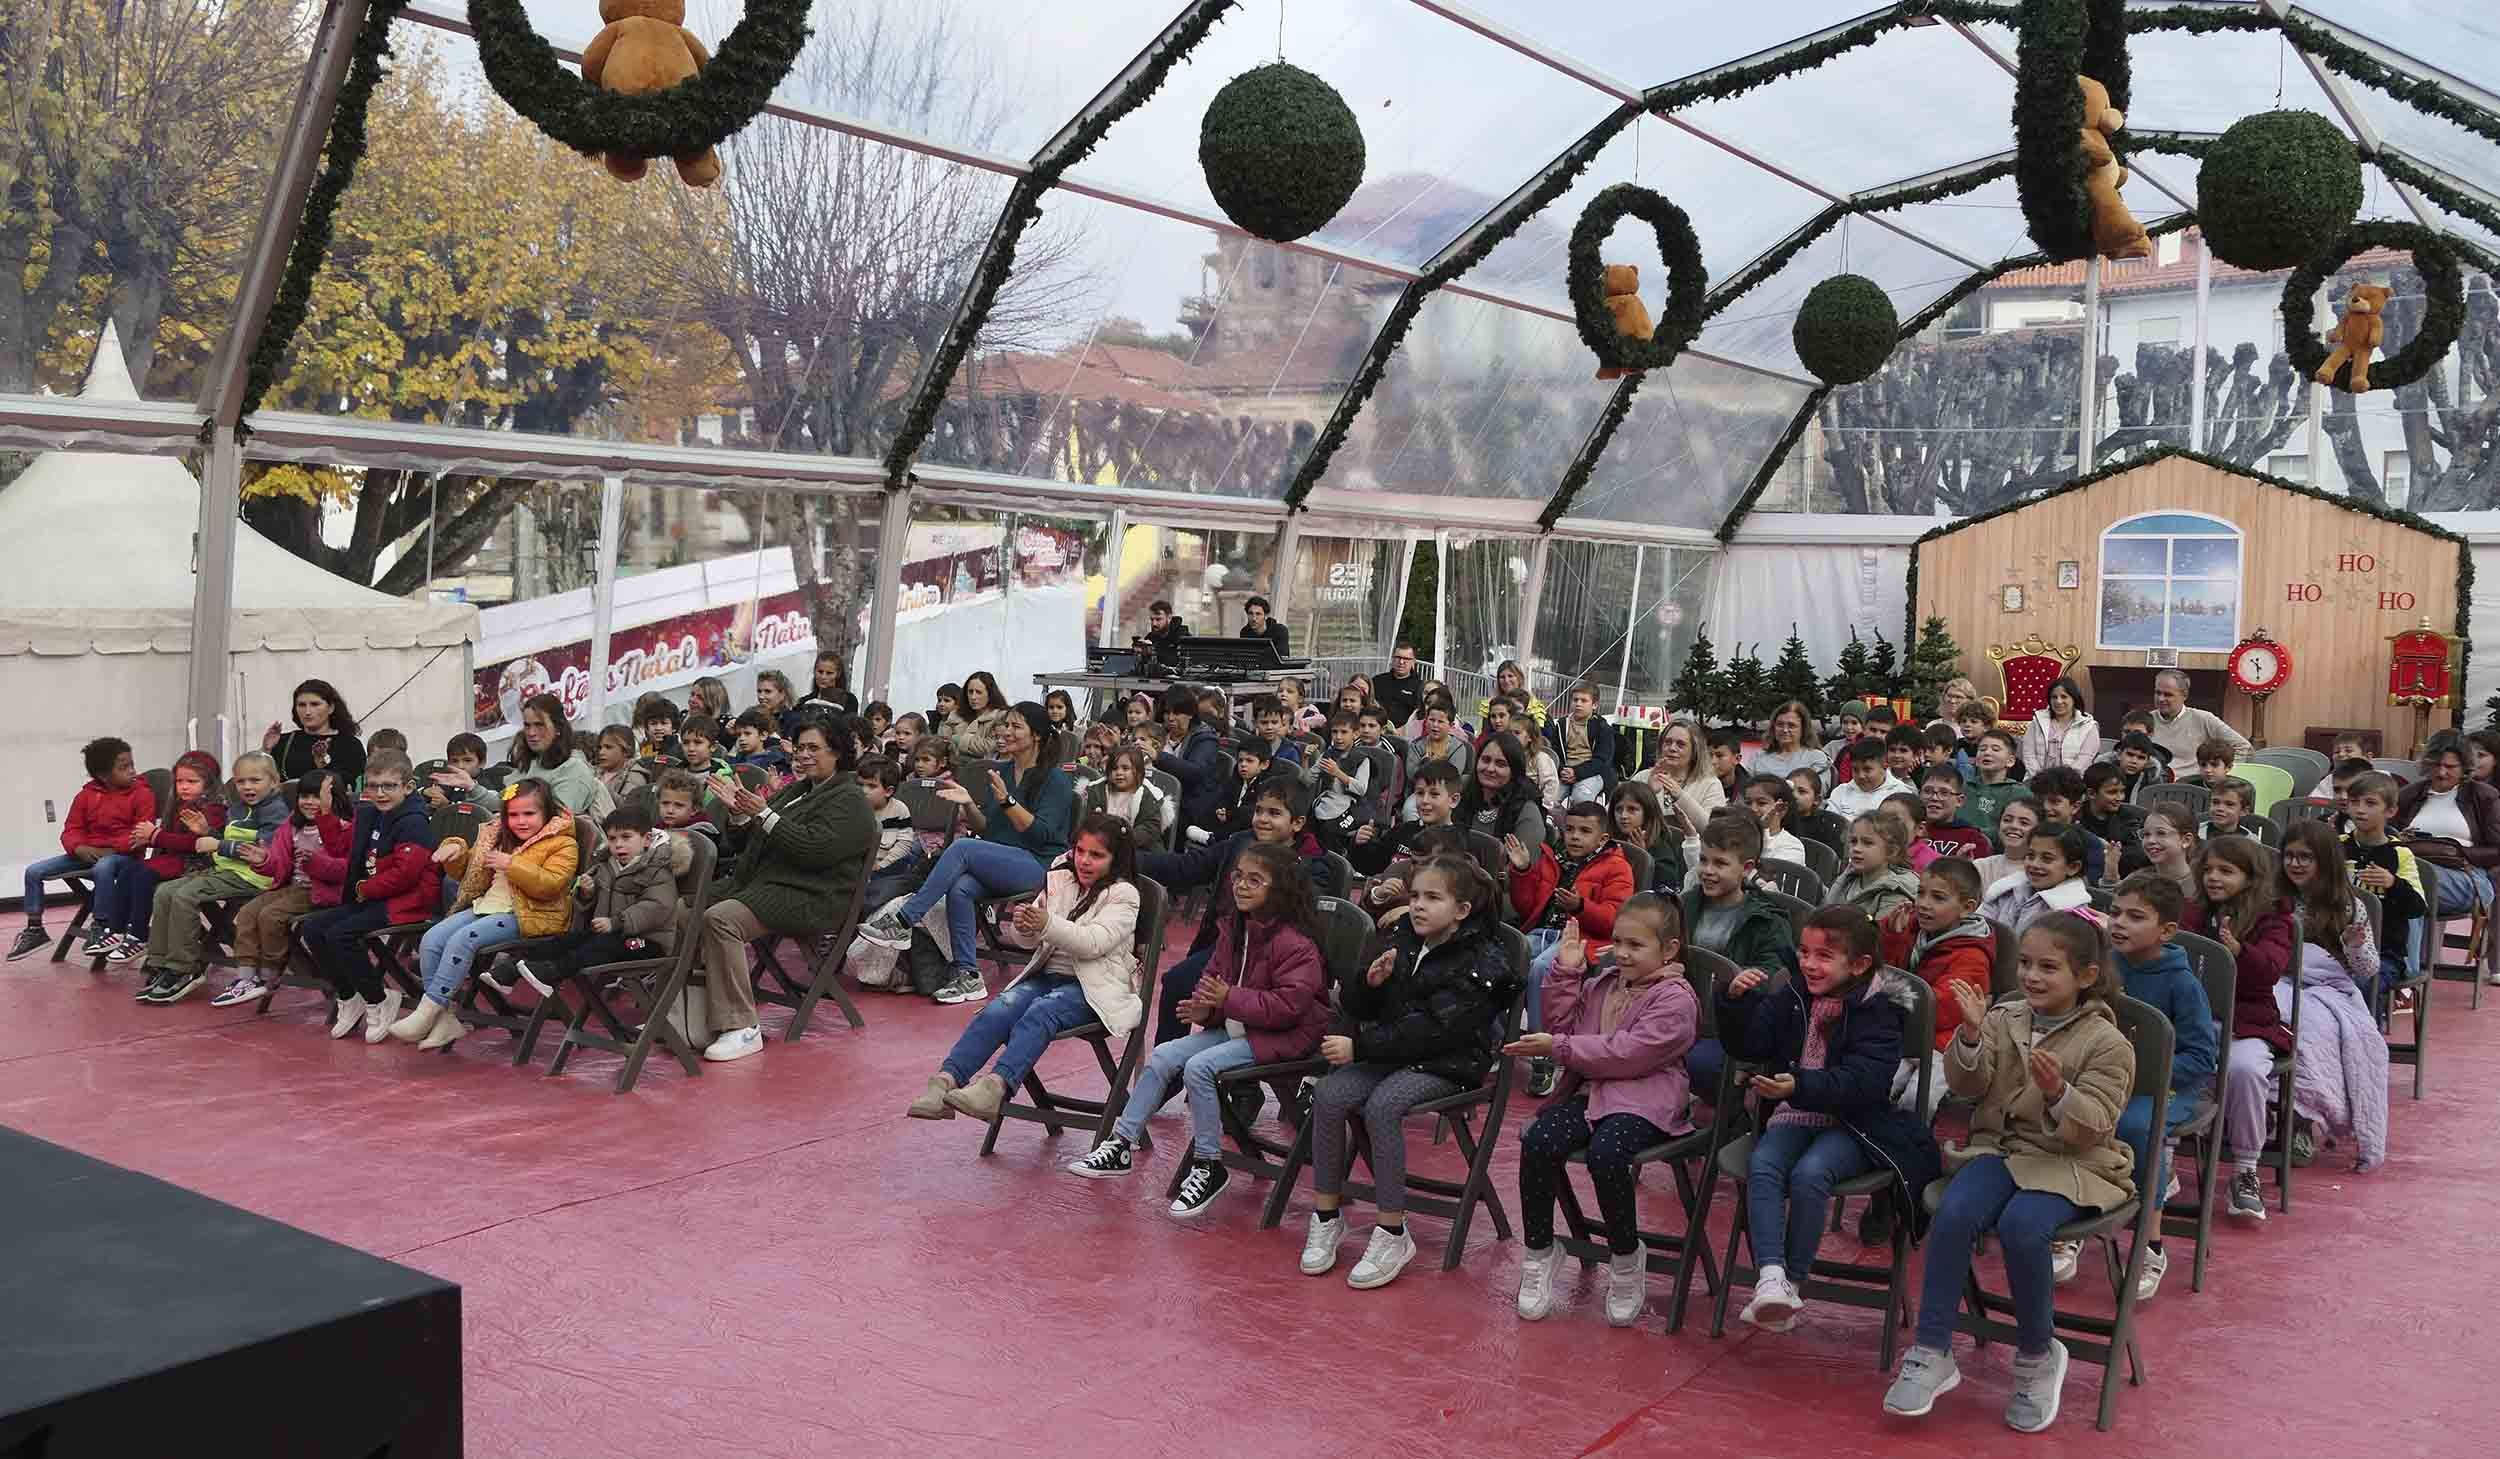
139	1319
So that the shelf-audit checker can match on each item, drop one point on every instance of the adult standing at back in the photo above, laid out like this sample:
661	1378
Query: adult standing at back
2179	727
796	877
1400	691
1261	625
324	738
2063	732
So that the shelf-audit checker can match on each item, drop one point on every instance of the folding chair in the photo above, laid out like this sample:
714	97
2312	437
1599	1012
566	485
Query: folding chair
1678	1253
479	1006
2417	981
2089	1338
2194	797
81	885
1056	1112
2007	975
1643	867
2195	1219
1343	871
1495	859
1797	908
2442	942
1453	1201
596	986
2306	767
774	983
2405	771
1822	860
1792	878
395	946
1885	1289
2288	812
1345	949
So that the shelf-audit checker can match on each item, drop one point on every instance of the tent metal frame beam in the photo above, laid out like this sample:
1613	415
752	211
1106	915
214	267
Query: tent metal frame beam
2340	98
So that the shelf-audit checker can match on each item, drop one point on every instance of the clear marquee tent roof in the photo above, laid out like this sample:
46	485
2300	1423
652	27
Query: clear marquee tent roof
1145	356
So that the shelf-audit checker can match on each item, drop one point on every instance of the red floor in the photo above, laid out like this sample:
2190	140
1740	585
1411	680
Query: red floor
771	1260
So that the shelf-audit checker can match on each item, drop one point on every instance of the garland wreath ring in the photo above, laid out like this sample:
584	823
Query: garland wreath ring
703	111
1688	283
2443	313
2060	40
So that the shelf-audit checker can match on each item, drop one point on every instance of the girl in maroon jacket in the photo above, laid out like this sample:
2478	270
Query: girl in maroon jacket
164	848
1258	1003
2239	910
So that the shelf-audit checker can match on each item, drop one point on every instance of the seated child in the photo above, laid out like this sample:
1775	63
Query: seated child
2348	747
2139	763
877	722
1943	751
1093	754
2239	908
1878	877
2215	760
1828	1041
97	840
680	803
390	880
2060	793
1727	763
1942	938
2228	808
657	716
1971	721
1251	766
1869	782
625	905
1770	801
1578	891
2340	1049
1639	820
615	763
1993	784
387	739
1258	1002
1432	803
760	745
701	737
2051	1074
2386	870
1810	821
1345	782
2171	843
1620	1031
514	888
1905	752
1275	729
464	755
2106	814
1129	795
1725	913
904	741
1942	831
1418	1024
2152	968
899	864
305	861
167	849
2051	881
245	854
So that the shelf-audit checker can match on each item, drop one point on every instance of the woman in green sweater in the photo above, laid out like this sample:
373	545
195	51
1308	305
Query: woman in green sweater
1018	816
797	877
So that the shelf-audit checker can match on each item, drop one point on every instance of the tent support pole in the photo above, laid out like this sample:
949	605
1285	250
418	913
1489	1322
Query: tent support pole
1631	622
893	543
603	593
1528	599
1280	582
2196	370
1441	605
1397	604
1114	554
212	595
2091	371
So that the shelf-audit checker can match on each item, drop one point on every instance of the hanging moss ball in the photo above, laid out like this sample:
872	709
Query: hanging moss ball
2277	189
1845	329
1281	151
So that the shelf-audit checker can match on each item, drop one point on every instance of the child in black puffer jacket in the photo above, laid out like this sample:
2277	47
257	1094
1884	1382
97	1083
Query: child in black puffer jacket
1424	1022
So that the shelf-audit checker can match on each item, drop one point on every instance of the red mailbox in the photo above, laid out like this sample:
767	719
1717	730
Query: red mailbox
2418	667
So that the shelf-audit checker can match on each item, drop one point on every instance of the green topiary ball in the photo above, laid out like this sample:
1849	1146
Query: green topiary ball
1845	329
2277	189
1281	151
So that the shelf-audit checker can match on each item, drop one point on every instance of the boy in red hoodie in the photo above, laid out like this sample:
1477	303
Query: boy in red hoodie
1942	938
391	879
1590	881
162	849
95	840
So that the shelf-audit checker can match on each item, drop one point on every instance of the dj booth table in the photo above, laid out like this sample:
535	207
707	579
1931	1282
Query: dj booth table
1119	686
1237	668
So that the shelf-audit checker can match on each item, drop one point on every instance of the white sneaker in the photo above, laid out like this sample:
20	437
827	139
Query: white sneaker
446	1028
2062	1256
1775	1303
1385	1257
2148	1281
735	1044
1627	1285
1536	1282
380	1017
1320	1243
351	1013
247	988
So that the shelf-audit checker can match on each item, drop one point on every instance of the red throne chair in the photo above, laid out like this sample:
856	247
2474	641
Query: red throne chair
2029	667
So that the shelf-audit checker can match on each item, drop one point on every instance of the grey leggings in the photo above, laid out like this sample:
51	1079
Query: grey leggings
1381	1095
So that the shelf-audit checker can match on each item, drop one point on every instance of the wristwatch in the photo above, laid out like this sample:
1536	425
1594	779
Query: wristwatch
1007	802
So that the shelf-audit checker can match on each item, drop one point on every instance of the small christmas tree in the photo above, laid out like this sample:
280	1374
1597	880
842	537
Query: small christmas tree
1793	677
1748	687
1700	686
1885	681
1935	661
1853	676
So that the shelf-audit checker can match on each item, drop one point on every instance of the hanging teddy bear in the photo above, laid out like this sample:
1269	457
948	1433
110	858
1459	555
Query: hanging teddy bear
2115	232
645	47
2357	335
1622	285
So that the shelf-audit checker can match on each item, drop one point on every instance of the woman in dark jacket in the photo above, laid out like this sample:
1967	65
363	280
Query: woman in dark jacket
1425	1021
1501	796
324	738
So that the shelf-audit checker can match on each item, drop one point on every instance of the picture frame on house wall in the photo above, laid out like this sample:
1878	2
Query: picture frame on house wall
2069	575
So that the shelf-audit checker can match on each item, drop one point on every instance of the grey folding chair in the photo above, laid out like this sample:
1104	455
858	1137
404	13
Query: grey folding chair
2195	1218
1055	1112
2194	797
1794	878
653	986
776	984
1797	908
2417	980
1822	860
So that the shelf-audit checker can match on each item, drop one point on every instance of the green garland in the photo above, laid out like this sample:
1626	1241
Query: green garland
1584	465
2057	41
1024	205
2397	516
1687	281
730	91
2443	310
310	247
1771	462
1281	151
1845	329
2276	188
2425	96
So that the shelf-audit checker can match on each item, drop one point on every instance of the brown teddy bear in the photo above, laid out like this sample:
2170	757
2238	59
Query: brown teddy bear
1622	286
645	47
2115	232
2357	335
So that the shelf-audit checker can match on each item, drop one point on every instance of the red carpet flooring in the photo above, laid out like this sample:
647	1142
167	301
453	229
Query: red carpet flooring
772	1260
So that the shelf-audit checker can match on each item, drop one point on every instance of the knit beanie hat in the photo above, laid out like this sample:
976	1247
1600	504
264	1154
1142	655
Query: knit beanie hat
203	764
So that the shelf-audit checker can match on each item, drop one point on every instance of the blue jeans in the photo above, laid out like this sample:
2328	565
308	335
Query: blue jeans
1788	1195
1543	946
450	947
969	871
44	871
2458	893
2135	1124
1023	1020
1983	1195
125	892
1196	1059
